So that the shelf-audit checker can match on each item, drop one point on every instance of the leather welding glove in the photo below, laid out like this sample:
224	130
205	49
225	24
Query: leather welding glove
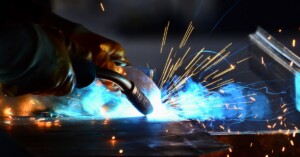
41	60
105	53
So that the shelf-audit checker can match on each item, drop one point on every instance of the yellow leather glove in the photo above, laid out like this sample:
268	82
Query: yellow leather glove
105	53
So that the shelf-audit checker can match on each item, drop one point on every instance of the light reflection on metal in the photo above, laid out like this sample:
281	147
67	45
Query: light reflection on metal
42	123
264	132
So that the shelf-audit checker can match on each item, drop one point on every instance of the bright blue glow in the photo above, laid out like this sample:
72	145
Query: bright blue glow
297	91
193	101
232	101
96	100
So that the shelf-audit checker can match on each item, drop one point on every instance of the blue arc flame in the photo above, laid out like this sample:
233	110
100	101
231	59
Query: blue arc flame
96	100
232	101
193	101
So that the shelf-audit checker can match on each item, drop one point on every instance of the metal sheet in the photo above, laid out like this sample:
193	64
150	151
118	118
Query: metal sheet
134	136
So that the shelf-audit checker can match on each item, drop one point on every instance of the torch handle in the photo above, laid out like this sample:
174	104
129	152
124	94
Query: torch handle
134	95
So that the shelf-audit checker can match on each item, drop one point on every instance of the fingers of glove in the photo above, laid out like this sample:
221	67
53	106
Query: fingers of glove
116	53
104	61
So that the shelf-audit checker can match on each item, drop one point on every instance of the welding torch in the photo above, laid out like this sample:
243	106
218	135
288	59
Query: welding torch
133	94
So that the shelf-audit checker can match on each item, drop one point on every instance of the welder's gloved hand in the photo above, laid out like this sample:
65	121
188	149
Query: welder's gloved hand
111	56
106	54
42	60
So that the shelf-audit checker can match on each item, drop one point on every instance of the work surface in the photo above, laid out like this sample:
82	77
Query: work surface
38	136
132	136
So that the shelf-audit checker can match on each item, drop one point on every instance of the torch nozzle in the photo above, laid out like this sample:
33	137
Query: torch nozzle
133	94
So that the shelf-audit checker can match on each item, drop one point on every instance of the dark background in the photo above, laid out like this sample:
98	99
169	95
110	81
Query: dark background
139	25
148	17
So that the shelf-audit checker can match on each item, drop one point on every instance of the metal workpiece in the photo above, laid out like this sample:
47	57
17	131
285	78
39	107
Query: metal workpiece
276	50
92	137
272	60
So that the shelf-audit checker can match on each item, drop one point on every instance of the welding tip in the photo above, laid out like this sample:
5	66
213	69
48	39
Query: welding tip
139	100
133	94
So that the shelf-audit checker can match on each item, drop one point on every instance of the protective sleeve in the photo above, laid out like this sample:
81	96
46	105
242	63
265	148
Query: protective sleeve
34	61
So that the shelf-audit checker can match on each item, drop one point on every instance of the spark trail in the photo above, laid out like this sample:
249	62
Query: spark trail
193	86
182	96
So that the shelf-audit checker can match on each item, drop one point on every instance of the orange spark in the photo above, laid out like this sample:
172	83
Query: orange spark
294	42
292	142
